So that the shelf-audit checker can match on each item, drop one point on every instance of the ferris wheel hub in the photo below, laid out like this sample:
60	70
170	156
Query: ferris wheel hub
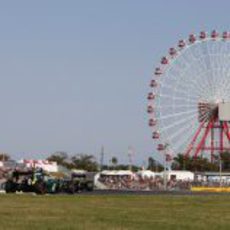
207	111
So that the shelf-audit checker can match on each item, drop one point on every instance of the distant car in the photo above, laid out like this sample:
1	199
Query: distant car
26	181
38	182
81	182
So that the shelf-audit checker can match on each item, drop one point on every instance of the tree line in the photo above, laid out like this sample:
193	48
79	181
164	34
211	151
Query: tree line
202	164
81	161
180	162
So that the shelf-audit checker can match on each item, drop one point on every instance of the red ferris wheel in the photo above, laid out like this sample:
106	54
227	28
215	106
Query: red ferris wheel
189	101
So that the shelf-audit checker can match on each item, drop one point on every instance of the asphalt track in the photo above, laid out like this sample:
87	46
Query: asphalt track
131	192
135	192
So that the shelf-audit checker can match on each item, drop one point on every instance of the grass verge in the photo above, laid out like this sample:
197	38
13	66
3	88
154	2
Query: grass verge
113	212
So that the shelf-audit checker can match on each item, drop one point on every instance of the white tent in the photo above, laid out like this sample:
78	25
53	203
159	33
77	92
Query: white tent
178	175
117	173
146	173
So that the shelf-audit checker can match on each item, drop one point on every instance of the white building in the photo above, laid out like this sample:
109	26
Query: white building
178	175
48	166
147	174
117	173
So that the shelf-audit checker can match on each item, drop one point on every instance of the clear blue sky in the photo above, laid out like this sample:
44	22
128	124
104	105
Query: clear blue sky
75	74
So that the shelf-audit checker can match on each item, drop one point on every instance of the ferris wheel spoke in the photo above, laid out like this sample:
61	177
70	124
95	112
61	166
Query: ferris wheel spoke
201	85
186	138
224	83
213	74
193	58
209	66
176	97
187	119
194	86
204	89
171	87
186	130
190	80
176	106
180	131
179	74
188	133
201	60
179	122
181	78
178	91
192	129
222	79
178	114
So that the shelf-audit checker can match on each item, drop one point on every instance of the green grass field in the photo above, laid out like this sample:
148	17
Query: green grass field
115	212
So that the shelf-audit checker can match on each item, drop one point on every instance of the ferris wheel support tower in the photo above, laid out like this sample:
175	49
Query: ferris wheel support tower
217	121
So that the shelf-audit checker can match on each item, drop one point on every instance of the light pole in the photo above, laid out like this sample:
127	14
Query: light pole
130	156
220	170
102	158
165	166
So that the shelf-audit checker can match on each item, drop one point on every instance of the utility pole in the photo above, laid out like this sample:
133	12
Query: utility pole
165	166
220	170
102	158
130	156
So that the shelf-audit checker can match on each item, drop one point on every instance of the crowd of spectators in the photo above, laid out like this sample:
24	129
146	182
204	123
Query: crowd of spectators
136	182
142	183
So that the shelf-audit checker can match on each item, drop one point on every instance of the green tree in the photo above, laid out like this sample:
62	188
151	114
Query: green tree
151	164
180	162
225	158
61	158
85	162
4	157
199	163
114	162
